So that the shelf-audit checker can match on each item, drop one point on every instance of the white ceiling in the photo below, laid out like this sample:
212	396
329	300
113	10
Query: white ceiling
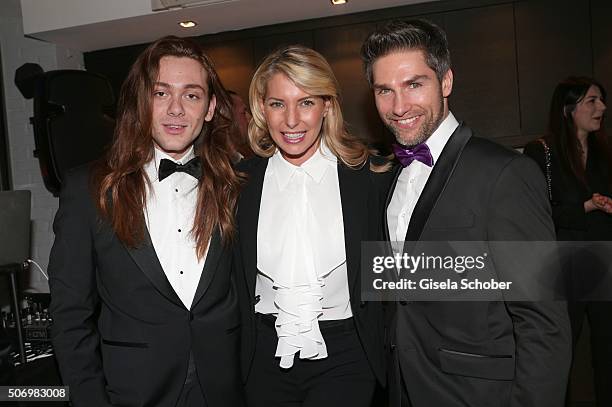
88	25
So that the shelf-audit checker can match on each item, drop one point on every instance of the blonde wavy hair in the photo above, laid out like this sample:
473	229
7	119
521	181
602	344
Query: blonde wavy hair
309	71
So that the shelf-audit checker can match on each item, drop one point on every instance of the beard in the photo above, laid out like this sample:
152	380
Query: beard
431	123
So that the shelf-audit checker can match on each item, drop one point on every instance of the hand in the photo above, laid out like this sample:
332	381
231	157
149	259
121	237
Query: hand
599	202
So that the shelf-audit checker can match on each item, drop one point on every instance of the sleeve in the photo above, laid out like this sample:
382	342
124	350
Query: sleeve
74	299
519	211
565	215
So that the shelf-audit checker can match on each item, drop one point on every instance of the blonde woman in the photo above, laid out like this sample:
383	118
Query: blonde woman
310	200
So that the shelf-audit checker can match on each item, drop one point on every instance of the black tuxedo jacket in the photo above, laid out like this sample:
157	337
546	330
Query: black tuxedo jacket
362	203
480	353
121	334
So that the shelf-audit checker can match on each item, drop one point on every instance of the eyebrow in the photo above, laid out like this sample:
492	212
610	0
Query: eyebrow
186	86
299	100
404	83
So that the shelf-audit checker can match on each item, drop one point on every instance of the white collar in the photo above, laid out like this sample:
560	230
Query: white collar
316	166
441	135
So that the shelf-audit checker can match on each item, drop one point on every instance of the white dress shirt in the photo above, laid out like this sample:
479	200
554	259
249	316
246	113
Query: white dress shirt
412	180
301	256
169	214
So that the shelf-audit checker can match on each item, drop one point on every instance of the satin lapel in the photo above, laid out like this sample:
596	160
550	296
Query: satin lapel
250	200
354	214
397	170
438	179
215	251
145	257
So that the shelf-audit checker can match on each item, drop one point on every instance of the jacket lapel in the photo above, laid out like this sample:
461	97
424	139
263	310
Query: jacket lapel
146	259
438	179
397	170
215	251
250	200
354	213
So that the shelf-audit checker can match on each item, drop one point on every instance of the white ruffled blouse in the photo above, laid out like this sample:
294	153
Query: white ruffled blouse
301	259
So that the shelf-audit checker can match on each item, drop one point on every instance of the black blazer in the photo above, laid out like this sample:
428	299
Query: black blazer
362	213
480	353
569	194
121	334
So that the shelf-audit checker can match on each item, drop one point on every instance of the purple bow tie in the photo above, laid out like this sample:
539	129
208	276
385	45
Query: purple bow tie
406	155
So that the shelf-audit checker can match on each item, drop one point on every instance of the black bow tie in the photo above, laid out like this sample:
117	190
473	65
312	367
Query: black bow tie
169	167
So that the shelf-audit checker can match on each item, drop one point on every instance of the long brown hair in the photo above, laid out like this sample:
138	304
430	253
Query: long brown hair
119	180
562	129
312	73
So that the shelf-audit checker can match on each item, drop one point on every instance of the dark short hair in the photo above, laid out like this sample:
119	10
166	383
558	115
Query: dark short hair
414	34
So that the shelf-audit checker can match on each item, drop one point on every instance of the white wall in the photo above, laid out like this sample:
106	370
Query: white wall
49	15
16	50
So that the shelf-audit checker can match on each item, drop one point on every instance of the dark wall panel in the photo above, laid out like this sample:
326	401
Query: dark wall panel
553	42
438	19
340	46
113	63
234	63
507	57
482	48
5	167
601	12
270	43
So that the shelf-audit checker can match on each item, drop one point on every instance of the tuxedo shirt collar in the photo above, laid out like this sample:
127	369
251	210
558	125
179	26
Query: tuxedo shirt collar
441	135
316	166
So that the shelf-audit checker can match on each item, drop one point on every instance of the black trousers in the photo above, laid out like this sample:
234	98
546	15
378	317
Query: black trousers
344	378
600	321
405	397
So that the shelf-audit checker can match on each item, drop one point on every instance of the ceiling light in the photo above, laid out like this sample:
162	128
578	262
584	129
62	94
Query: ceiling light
160	5
188	24
337	2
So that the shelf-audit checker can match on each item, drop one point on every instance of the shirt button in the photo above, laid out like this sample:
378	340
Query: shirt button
179	230
181	271
175	189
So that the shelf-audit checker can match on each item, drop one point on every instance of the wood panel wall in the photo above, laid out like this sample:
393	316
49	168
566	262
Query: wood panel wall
507	57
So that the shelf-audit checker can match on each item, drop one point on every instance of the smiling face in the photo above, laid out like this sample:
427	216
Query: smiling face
410	99
588	113
294	118
181	104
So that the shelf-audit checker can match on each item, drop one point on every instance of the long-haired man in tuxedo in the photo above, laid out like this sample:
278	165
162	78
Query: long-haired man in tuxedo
142	300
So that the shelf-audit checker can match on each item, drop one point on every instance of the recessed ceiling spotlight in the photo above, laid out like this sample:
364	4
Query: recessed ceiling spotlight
188	24
337	2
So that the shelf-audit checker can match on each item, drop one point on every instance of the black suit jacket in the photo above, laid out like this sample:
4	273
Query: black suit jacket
121	334
362	213
480	353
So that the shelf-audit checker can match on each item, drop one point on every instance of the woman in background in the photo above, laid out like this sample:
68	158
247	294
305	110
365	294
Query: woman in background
309	202
576	159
